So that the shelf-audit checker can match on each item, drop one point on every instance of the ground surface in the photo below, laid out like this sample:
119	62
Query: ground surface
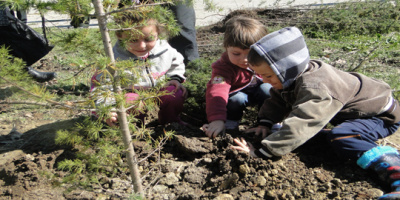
192	165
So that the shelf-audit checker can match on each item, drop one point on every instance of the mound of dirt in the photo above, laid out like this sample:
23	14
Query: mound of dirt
190	166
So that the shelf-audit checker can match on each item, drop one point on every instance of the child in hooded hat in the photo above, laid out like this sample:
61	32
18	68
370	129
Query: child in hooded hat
309	94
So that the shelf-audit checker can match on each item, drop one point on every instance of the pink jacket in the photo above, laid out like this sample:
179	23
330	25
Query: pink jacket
226	78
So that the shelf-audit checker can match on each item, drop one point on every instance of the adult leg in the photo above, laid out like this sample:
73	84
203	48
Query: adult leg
26	44
21	15
185	43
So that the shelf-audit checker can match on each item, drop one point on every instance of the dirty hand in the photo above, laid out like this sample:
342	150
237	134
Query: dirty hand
178	86
244	146
113	120
259	129
214	128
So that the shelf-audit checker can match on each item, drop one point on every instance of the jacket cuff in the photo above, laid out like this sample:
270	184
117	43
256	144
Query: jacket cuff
176	77
211	118
265	122
264	153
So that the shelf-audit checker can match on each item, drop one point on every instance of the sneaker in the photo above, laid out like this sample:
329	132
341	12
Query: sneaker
231	124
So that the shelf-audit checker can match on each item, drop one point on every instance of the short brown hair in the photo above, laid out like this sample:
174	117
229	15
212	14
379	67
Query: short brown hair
243	31
254	59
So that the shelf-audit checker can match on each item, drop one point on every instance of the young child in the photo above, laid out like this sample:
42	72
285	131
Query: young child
309	94
160	62
233	85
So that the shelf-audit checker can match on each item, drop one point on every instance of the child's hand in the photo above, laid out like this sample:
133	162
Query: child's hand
178	86
214	128
244	146
259	129
112	121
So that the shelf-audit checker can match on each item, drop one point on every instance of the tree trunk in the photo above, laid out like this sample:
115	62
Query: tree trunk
122	119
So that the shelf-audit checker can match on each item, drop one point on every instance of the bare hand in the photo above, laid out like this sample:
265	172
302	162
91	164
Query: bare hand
113	120
259	129
178	86
214	128
244	146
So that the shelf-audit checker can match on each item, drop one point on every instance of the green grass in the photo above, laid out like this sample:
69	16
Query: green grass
354	18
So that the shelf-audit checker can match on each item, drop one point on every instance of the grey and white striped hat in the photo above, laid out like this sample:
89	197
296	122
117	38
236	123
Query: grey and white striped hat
286	53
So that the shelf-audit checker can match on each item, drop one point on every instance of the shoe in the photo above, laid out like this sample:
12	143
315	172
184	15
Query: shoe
231	124
41	76
385	161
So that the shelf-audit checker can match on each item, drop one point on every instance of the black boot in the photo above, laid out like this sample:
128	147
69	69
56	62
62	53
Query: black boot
385	161
41	76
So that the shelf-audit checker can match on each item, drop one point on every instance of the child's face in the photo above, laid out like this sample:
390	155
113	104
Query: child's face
268	76
238	56
140	45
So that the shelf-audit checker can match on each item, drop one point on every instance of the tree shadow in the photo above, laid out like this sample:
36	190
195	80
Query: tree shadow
40	139
7	92
77	90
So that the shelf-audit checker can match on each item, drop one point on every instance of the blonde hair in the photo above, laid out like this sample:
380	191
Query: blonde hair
243	31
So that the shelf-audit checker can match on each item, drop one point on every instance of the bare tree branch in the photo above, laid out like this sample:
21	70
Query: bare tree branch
133	7
25	102
30	93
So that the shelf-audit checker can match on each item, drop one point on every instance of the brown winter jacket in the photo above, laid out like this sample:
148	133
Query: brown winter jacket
320	95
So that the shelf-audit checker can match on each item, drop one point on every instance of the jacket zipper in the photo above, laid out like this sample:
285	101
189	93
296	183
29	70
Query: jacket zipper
150	77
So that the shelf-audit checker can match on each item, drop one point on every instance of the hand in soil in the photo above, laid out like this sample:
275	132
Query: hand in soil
214	128
244	146
259	129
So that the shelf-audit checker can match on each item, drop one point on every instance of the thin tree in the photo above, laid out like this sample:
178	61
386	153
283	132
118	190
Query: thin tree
121	111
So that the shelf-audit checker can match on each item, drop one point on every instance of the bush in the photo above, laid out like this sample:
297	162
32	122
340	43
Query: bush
354	18
198	74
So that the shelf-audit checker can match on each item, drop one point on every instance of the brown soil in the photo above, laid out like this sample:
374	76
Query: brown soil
192	166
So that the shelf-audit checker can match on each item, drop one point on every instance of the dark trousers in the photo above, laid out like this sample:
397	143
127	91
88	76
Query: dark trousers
21	15
23	41
352	138
185	43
